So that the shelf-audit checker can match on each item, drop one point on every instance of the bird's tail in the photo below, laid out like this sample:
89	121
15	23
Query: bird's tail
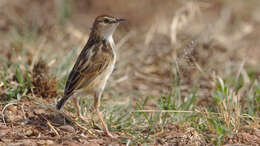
61	102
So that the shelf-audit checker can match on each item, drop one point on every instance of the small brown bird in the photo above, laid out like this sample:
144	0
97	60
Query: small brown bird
93	66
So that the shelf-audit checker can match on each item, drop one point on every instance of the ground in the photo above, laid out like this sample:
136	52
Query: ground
187	73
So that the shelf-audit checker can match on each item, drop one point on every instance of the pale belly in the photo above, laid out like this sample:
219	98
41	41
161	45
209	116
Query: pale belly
102	79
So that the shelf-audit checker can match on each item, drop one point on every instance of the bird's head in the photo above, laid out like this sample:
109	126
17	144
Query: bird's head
105	25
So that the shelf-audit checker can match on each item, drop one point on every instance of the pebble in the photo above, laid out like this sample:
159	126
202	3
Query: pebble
67	128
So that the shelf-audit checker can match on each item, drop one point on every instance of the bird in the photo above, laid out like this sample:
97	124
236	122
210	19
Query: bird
93	66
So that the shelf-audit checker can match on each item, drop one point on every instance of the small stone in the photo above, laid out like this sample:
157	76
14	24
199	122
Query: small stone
67	128
2	126
257	133
41	142
29	132
12	108
49	142
4	132
39	111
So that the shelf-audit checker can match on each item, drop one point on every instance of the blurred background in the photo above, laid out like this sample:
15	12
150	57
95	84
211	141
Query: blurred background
171	55
197	39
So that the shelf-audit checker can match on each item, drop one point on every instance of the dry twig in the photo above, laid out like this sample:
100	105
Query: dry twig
3	115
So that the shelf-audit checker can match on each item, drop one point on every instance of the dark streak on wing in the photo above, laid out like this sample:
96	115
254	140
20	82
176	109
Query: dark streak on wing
86	69
71	82
74	75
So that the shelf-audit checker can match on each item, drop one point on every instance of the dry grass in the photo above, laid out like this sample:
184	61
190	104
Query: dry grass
43	84
187	71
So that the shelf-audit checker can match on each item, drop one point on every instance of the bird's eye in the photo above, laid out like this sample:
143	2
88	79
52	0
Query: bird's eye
106	20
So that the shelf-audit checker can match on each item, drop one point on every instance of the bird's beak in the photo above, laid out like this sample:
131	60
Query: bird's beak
120	19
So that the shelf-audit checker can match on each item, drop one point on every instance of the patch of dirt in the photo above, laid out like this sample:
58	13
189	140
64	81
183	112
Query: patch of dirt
174	135
244	138
28	122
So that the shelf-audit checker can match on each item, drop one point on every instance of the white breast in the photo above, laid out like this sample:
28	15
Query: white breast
110	68
112	44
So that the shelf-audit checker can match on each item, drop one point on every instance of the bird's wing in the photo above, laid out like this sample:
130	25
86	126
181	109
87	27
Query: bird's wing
90	63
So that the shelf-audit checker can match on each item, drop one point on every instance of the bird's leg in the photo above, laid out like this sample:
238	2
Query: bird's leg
75	101
96	107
